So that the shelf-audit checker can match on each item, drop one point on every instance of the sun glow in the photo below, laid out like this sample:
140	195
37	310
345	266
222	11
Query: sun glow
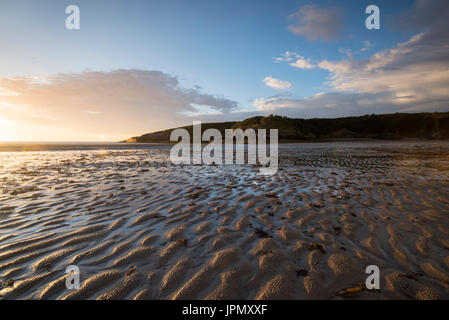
5	130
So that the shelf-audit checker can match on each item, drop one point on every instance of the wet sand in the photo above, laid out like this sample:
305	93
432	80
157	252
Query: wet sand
139	227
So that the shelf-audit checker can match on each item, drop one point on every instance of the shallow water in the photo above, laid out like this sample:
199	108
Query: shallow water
224	231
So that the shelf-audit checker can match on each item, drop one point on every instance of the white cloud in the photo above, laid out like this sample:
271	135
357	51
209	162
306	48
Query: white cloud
295	59
125	101
276	83
415	72
302	63
287	57
328	105
409	77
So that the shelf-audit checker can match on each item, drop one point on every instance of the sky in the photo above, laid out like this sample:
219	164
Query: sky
135	67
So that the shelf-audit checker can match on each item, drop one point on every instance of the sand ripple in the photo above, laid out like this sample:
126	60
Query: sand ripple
139	227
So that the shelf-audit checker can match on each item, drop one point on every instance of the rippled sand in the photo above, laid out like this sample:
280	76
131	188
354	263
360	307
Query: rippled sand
139	227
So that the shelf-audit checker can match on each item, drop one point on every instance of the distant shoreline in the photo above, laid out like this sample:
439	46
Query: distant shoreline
122	146
431	126
286	141
283	141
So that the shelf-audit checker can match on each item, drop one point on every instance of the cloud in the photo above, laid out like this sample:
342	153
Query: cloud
295	59
326	105
276	83
315	23
286	57
302	63
415	72
367	46
115	104
338	104
346	52
429	14
412	76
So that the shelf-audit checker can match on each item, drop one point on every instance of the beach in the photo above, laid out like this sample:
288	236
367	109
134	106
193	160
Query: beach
139	227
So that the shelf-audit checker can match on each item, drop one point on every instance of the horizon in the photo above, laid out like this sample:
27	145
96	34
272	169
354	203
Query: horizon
177	62
122	140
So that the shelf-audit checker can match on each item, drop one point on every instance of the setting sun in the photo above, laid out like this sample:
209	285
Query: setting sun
5	134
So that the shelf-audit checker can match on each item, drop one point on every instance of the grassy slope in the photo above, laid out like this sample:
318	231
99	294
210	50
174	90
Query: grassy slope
387	126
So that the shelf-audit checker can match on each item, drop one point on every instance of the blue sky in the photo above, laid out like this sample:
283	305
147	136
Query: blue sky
224	47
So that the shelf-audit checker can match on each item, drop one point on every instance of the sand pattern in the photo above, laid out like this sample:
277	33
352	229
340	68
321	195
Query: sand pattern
139	227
